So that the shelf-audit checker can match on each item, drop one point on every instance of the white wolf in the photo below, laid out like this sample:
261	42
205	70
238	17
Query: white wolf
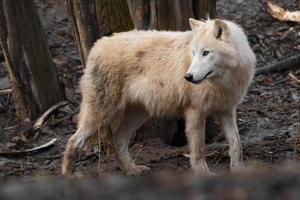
132	76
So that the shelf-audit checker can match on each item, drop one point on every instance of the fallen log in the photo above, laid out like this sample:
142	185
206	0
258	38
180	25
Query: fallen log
282	14
291	63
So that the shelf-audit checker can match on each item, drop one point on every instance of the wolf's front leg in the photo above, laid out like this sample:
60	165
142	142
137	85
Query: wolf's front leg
195	131
229	128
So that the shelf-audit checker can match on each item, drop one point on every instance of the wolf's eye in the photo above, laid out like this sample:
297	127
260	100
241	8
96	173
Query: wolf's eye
205	53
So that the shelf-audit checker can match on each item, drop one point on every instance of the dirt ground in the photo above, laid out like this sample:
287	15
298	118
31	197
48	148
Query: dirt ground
268	119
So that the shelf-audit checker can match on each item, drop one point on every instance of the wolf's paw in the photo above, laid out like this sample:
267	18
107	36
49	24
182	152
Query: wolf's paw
137	170
202	169
67	170
210	173
68	167
68	174
205	173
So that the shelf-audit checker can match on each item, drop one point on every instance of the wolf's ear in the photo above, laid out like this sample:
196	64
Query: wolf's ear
195	24
221	31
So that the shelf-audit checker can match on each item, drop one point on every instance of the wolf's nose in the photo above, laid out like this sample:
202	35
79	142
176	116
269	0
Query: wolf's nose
189	77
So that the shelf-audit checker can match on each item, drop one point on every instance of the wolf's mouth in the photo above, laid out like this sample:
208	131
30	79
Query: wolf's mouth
204	77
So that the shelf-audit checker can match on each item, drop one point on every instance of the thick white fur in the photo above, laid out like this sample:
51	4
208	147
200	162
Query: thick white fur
139	74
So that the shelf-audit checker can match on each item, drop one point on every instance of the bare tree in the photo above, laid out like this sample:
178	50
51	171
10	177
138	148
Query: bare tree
32	74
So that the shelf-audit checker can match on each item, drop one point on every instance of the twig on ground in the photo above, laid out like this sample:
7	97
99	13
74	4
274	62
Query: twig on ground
293	77
22	152
5	91
10	127
187	155
206	155
287	64
212	153
40	121
50	143
138	153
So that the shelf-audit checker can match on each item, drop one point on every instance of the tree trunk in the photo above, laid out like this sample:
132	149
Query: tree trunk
203	9
183	11
163	15
31	71
83	18
94	19
140	13
169	14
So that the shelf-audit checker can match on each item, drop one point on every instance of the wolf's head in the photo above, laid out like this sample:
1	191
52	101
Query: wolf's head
211	49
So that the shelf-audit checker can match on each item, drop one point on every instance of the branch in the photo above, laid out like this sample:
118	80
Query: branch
40	121
282	14
293	77
22	152
287	64
5	91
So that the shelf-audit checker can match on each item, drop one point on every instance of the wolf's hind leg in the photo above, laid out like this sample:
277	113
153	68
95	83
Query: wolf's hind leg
73	148
86	128
134	117
229	128
195	131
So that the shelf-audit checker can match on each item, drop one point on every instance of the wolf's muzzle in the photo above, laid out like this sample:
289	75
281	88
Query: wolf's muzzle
189	77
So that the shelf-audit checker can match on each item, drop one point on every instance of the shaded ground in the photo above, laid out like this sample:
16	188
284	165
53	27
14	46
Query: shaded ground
266	185
269	118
